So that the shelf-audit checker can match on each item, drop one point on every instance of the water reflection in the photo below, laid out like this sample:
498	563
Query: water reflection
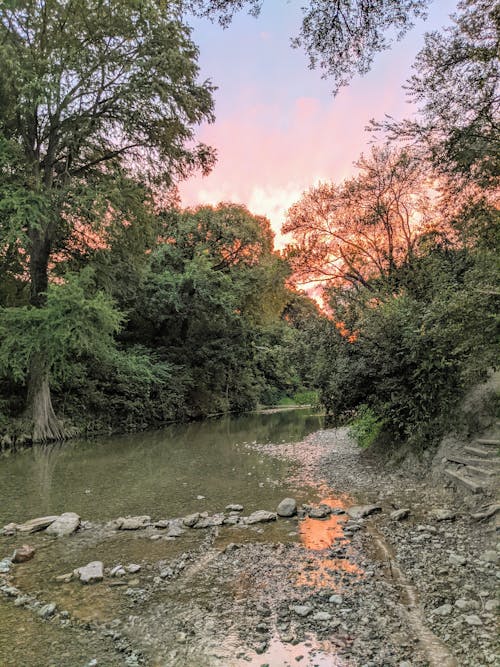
319	535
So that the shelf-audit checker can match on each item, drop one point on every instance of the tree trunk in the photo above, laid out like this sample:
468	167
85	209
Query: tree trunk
46	426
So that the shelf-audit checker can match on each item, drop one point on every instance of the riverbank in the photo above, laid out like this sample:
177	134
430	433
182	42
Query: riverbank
337	585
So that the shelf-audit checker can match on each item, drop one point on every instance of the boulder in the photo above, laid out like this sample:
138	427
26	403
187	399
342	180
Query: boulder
91	573
9	529
133	522
162	523
234	508
175	530
34	525
260	516
133	568
399	515
23	554
287	507
64	525
361	511
5	565
322	616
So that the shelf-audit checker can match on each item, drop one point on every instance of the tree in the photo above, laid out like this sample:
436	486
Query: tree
340	36
90	91
361	230
458	131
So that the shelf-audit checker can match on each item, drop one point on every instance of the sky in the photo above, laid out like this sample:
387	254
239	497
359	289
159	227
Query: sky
278	128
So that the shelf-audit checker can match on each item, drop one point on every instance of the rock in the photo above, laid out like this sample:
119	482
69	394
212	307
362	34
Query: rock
5	565
444	610
234	508
491	605
133	568
133	522
191	519
302	610
64	525
443	515
322	616
91	573
162	523
34	525
360	511
260	516
456	559
166	573
399	515
335	599
287	507
23	554
175	530
320	512
6	441
473	619
117	571
489	556
231	520
47	610
9	529
64	578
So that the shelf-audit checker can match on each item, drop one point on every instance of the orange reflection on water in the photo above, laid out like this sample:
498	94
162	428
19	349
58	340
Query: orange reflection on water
319	535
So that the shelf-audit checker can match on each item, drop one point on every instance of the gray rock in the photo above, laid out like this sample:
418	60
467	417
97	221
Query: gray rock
133	522
443	515
231	520
90	573
162	523
335	599
5	565
465	605
444	610
287	507
47	610
166	573
133	568
491	605
210	521
473	619
322	616
175	530
302	609
360	511
34	525
64	525
260	516
191	519
399	515
234	508
64	578
320	512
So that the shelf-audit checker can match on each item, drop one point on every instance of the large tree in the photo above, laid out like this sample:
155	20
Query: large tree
363	229
90	91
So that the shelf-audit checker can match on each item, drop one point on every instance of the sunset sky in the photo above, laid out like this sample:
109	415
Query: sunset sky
279	130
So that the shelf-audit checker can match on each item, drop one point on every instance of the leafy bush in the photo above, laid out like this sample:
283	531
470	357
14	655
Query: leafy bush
366	427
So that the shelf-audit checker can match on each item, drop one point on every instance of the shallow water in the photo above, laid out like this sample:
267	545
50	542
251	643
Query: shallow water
168	473
160	473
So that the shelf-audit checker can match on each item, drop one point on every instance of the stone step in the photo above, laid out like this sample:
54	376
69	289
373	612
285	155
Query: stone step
471	484
481	452
470	461
488	442
485	473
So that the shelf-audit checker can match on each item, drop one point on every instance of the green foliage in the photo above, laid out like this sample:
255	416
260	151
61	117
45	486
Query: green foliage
77	321
366	427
